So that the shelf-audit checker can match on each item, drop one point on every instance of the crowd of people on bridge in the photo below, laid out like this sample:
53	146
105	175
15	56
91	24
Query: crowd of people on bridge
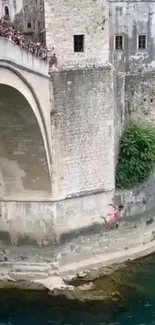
38	49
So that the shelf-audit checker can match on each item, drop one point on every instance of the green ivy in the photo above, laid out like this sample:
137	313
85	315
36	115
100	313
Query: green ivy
137	155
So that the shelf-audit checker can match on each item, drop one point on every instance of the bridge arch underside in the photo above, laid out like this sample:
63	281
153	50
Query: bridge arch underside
24	169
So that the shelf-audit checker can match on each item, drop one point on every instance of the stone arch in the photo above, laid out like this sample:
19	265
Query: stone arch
6	11
24	159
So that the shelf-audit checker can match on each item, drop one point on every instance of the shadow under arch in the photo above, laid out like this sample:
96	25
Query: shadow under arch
11	76
23	158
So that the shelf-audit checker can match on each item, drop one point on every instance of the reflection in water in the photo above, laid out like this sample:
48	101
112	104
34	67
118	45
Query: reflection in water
39	309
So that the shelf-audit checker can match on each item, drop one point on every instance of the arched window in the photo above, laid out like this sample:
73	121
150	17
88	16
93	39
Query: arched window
6	11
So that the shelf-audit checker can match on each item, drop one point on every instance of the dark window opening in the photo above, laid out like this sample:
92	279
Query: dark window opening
78	43
151	100
144	99
29	25
6	11
142	42
34	23
119	42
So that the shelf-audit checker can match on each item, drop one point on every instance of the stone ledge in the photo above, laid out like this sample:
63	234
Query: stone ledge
107	66
38	277
82	258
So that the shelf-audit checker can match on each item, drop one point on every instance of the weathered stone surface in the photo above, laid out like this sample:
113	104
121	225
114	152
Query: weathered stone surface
83	138
130	21
21	76
86	286
62	21
90	286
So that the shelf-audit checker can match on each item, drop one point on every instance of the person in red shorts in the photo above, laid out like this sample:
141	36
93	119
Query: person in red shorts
114	216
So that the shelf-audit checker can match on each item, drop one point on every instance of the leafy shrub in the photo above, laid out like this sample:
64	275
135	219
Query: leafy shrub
137	155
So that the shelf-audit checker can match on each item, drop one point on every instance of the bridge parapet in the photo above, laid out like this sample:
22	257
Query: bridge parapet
12	52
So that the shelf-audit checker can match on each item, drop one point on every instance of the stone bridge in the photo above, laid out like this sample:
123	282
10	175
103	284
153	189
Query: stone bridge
25	131
56	170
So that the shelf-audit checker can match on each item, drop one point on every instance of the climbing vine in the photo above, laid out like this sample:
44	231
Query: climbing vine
137	155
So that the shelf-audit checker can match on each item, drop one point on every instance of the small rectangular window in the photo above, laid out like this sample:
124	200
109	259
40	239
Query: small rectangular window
29	25
78	43
141	42
119	42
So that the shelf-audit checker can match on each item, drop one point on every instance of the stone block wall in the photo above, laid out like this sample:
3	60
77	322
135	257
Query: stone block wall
139	201
64	19
134	99
51	223
139	99
131	19
83	163
14	8
82	132
140	96
29	18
